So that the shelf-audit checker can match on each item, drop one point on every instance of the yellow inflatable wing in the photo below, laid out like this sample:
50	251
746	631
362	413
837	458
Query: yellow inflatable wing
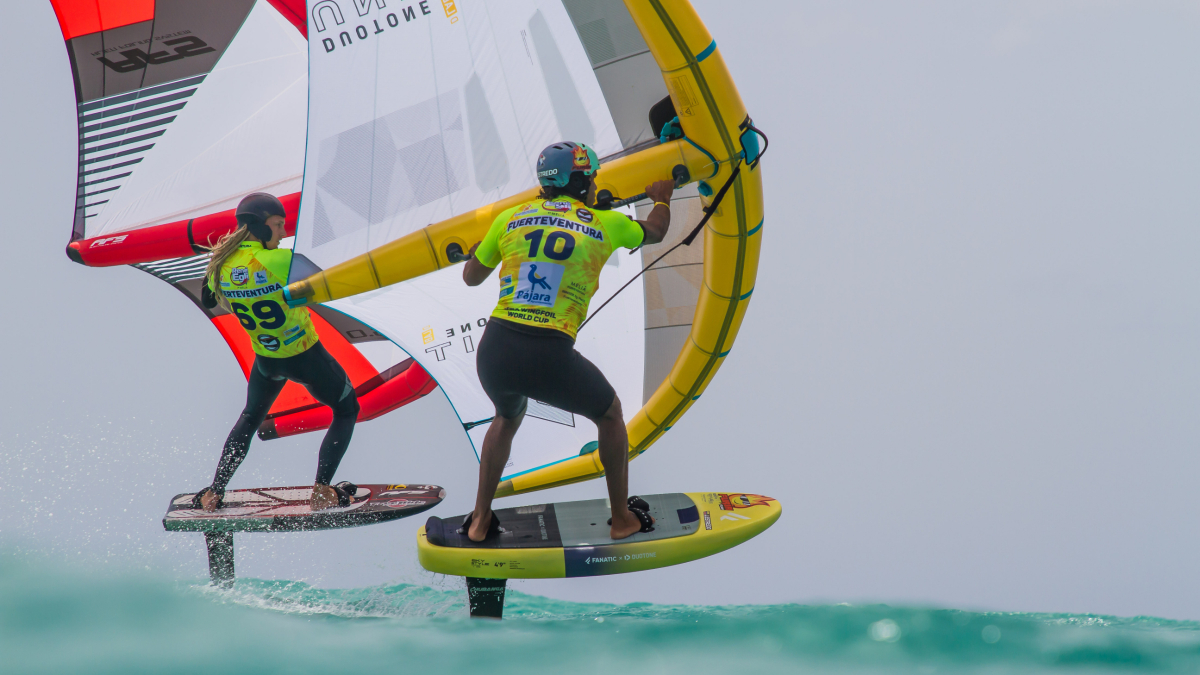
718	143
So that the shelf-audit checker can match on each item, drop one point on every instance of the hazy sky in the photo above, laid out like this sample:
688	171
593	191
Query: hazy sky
969	372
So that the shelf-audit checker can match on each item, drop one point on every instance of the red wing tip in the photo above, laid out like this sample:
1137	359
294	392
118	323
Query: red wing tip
74	254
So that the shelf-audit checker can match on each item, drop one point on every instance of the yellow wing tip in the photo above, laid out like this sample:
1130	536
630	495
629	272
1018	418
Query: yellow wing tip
505	489
304	289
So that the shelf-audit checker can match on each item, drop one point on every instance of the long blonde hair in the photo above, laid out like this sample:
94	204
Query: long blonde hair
224	248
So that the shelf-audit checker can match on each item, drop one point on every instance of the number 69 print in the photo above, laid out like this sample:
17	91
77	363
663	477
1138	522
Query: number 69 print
270	315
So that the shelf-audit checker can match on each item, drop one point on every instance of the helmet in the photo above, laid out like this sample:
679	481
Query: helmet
559	161
253	211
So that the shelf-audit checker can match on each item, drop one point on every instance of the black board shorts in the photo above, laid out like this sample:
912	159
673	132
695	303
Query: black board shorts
516	363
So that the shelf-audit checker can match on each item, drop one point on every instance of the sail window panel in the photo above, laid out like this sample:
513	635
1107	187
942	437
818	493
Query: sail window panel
672	288
93	79
685	213
631	86
606	30
106	179
671	294
208	27
137	128
107	124
137	55
141	138
142	94
135	107
114	155
186	275
662	348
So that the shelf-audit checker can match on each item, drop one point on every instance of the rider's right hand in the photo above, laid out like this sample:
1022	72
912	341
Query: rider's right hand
661	191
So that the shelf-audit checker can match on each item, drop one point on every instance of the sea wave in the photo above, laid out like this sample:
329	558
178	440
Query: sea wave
58	620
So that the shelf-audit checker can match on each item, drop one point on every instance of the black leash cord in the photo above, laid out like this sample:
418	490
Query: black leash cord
708	211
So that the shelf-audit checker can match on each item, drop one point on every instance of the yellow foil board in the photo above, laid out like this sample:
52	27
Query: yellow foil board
569	539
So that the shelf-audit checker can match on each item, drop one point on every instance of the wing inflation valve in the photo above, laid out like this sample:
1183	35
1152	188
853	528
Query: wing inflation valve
455	254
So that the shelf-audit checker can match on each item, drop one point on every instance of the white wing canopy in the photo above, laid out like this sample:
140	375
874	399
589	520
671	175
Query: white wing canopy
423	110
197	143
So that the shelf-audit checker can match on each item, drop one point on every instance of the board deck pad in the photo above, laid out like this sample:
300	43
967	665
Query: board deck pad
286	509
569	524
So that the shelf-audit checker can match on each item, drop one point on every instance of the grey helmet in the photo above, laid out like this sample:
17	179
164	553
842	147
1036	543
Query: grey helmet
559	161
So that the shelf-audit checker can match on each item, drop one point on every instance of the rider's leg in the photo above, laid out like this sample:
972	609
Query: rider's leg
497	444
614	455
261	391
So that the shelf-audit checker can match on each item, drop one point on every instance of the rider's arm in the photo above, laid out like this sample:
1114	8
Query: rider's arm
659	219
208	297
475	272
485	255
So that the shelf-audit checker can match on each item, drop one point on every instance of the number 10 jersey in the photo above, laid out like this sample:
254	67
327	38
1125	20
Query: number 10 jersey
552	253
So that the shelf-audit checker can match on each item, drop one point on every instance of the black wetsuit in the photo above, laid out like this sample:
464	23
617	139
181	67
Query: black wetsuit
324	378
518	362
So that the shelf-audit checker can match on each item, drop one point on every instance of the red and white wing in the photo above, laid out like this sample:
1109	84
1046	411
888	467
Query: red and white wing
184	107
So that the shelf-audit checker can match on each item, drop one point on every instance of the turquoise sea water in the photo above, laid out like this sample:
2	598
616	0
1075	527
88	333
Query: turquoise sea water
55	621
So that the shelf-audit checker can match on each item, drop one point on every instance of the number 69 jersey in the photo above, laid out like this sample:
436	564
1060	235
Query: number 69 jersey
253	279
553	251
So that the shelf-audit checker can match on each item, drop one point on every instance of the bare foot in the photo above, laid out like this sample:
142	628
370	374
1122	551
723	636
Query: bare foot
323	497
479	528
625	524
208	501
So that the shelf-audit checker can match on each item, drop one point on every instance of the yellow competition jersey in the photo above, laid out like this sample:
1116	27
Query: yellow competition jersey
552	253
253	280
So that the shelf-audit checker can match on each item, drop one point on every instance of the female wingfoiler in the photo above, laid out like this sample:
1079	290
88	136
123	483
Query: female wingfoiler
247	274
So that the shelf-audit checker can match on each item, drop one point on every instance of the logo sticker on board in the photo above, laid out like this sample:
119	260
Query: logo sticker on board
537	284
730	502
